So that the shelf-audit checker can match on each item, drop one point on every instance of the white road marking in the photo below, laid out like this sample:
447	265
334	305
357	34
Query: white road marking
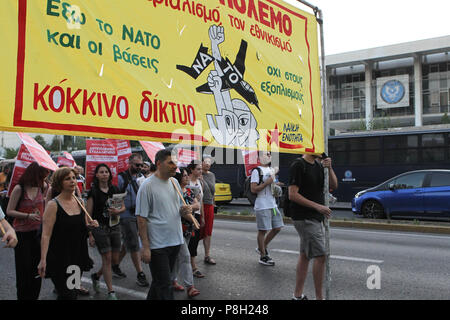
393	233
335	257
341	229
130	292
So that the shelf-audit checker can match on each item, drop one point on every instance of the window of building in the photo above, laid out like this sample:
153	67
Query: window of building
346	96
436	86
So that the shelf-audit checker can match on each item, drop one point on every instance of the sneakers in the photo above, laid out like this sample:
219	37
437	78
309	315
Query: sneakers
266	261
117	272
141	280
95	282
112	296
302	297
259	252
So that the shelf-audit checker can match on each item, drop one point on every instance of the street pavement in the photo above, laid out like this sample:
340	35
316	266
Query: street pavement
412	266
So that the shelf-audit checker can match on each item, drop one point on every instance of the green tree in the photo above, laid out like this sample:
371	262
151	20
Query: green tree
11	153
55	144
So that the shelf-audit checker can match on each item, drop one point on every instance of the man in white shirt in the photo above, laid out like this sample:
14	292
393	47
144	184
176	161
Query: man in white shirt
268	218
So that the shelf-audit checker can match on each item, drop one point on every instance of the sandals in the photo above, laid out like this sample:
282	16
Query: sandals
83	291
192	292
177	286
209	260
196	273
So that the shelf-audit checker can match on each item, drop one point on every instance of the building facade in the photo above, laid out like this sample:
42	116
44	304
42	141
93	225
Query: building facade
402	85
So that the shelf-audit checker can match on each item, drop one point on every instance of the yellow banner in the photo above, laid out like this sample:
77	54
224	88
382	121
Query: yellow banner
226	73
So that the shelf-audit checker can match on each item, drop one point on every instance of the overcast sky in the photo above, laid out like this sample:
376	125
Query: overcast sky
351	25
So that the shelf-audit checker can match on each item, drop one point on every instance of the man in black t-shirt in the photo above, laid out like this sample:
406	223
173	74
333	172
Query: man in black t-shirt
306	184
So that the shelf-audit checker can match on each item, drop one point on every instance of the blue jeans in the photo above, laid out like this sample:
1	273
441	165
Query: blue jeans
161	265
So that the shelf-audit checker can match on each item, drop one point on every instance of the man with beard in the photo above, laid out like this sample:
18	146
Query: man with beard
128	221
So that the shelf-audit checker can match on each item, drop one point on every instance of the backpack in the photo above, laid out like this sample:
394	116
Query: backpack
247	187
127	179
285	202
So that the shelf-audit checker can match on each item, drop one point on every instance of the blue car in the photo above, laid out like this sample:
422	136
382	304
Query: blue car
418	195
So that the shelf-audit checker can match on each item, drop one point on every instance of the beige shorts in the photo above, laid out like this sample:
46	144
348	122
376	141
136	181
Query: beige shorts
312	238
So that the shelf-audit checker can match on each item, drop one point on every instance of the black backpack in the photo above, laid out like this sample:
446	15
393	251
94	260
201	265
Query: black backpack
247	186
285	202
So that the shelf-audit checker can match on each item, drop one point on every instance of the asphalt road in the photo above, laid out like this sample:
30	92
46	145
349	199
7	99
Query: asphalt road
412	266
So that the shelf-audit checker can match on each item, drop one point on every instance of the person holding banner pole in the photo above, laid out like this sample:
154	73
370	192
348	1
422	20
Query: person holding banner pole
7	232
26	206
159	205
64	248
306	193
107	236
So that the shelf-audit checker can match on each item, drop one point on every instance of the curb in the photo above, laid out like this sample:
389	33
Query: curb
359	225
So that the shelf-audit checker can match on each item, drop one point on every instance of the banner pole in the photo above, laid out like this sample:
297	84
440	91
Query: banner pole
319	16
326	134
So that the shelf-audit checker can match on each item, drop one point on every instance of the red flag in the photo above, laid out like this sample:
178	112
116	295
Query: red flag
38	152
151	148
185	157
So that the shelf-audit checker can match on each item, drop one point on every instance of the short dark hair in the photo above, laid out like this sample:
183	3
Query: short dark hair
162	155
134	155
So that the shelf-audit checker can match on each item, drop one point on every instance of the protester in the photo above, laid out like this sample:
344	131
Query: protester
306	193
194	170
147	170
209	189
64	235
269	220
81	180
9	237
26	206
107	236
128	221
183	265
158	209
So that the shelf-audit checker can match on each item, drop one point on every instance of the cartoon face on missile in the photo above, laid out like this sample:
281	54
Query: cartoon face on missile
234	124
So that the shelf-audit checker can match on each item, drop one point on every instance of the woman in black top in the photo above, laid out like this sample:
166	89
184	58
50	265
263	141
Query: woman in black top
63	244
107	236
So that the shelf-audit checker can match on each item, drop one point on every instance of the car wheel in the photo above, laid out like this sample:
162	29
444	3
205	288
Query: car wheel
373	209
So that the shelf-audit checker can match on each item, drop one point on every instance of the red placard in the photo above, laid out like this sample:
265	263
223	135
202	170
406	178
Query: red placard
123	153
251	161
97	152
